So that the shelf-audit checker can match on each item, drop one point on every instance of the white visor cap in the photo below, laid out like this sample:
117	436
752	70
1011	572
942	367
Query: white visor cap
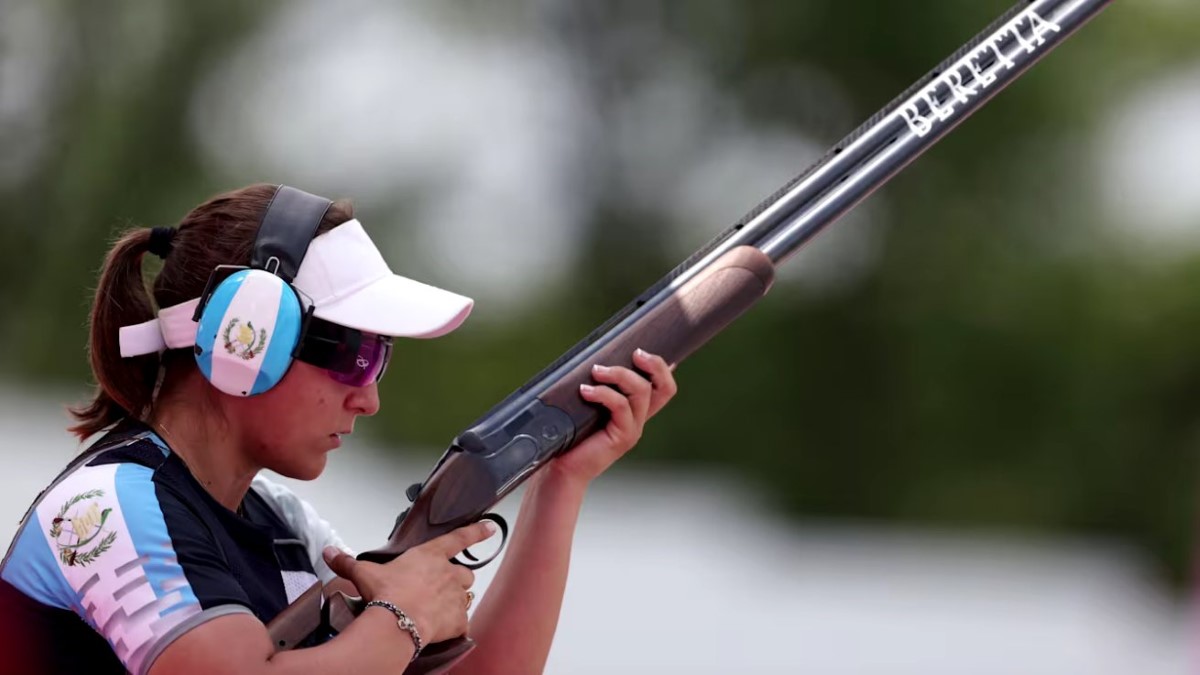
350	284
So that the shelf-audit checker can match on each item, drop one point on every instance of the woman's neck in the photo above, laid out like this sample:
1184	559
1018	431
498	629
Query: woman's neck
207	443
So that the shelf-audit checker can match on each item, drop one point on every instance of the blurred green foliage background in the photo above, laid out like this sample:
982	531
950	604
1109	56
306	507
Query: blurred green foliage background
1012	358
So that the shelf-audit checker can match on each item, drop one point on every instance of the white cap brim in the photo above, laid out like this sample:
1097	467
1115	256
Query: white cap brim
350	284
400	307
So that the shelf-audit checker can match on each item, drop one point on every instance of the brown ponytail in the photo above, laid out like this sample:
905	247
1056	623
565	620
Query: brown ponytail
121	300
220	231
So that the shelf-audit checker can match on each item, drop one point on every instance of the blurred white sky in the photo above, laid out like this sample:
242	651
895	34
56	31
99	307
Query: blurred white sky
479	130
687	573
1147	163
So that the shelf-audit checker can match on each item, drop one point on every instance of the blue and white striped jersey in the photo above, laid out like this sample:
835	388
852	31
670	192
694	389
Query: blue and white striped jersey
125	551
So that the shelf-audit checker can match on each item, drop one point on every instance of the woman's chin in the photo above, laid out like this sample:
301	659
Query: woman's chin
308	470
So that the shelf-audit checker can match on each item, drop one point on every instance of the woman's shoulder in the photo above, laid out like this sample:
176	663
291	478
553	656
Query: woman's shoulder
95	543
115	474
114	543
98	507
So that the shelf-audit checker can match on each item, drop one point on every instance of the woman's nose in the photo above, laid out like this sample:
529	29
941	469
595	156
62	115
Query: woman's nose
364	400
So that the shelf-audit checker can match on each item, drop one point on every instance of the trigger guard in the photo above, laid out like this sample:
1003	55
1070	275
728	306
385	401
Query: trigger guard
475	563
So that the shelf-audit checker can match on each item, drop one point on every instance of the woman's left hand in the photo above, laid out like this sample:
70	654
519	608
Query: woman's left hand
631	399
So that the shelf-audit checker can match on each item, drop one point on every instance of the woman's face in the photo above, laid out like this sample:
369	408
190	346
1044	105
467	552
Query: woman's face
291	427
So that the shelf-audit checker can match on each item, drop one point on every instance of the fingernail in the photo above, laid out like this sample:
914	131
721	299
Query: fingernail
330	553
641	353
489	527
600	369
586	388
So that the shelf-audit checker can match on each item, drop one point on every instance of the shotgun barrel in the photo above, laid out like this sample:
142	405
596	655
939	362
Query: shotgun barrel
697	299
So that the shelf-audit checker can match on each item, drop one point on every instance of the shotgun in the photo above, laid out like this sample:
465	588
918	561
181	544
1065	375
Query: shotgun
699	298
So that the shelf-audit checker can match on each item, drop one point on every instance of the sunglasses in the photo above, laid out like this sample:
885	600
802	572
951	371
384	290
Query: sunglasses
350	356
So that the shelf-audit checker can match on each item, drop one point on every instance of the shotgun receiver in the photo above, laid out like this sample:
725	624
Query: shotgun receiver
700	297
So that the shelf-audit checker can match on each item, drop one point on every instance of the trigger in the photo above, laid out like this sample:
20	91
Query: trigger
475	563
413	491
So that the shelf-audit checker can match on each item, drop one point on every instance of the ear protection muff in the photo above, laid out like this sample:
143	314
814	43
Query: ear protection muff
251	318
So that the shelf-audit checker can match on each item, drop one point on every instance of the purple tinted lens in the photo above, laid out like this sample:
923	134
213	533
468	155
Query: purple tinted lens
368	364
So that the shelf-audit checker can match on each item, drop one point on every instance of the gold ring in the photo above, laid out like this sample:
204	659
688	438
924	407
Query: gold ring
470	598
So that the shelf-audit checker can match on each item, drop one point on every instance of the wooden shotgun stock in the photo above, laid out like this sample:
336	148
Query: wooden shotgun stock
696	300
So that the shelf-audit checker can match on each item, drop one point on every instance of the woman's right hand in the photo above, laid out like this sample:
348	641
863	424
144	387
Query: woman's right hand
422	582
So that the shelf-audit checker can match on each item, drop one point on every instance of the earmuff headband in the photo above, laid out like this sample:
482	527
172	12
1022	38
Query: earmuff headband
287	229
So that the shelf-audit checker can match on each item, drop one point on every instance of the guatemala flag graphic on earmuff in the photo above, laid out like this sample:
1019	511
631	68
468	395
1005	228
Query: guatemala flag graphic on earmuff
251	318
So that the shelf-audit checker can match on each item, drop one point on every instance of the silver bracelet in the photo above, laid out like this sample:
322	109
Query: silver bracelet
406	624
